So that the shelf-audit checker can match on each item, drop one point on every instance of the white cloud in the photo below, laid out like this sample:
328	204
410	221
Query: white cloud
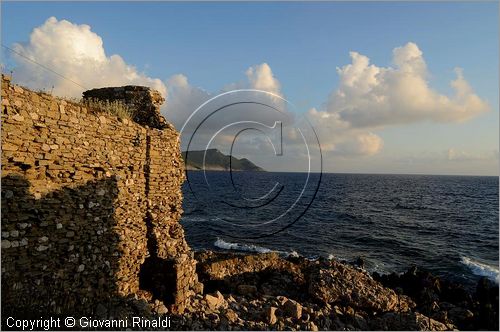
185	98
261	77
372	96
338	137
77	53
367	99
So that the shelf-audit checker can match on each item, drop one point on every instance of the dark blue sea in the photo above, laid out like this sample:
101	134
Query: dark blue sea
445	224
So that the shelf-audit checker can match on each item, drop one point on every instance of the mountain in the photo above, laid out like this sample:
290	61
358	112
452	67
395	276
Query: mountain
217	161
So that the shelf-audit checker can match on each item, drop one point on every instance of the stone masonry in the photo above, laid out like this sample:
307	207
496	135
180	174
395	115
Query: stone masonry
144	102
90	204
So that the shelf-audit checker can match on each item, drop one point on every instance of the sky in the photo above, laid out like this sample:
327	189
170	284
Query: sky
388	87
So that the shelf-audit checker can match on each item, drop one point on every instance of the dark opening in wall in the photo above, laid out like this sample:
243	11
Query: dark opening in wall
158	276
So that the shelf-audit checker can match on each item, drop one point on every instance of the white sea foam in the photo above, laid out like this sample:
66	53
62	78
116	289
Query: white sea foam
240	246
333	257
250	248
481	269
198	219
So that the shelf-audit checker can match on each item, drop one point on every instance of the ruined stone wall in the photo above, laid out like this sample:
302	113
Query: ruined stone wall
87	198
144	102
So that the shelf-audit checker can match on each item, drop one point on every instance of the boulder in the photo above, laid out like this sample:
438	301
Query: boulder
271	315
231	316
292	309
215	301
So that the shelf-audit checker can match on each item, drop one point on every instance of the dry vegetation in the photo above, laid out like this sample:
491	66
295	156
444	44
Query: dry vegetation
116	108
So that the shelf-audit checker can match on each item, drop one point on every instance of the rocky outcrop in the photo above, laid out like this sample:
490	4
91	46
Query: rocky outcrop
341	283
409	321
269	292
446	301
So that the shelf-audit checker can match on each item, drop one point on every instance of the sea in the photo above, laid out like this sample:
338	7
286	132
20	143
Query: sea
447	225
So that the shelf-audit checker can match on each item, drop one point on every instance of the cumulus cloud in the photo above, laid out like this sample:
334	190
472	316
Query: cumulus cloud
338	137
372	96
184	98
368	98
261	77
77	53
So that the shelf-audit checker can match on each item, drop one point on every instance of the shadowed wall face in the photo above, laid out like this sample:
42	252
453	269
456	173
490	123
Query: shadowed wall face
83	196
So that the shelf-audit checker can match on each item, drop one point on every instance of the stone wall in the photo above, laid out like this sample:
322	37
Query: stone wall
90	204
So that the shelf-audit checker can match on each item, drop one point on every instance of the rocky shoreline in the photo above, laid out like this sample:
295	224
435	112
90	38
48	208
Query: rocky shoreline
270	292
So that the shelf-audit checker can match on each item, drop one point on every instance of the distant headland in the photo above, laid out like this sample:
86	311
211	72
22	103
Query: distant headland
217	161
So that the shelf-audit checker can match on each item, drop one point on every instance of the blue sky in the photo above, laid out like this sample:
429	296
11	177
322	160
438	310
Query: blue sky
213	44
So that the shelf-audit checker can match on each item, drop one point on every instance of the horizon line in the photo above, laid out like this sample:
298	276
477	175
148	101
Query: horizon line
348	173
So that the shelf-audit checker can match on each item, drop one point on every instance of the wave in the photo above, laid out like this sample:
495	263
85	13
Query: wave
481	269
219	243
198	219
332	257
370	267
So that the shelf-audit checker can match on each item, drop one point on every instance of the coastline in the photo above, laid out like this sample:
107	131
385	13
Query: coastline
266	291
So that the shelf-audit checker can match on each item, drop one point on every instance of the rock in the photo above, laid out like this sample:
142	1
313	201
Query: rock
246	289
216	301
270	314
340	283
409	321
458	314
160	308
292	309
360	262
231	316
81	267
42	248
311	326
18	118
282	300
